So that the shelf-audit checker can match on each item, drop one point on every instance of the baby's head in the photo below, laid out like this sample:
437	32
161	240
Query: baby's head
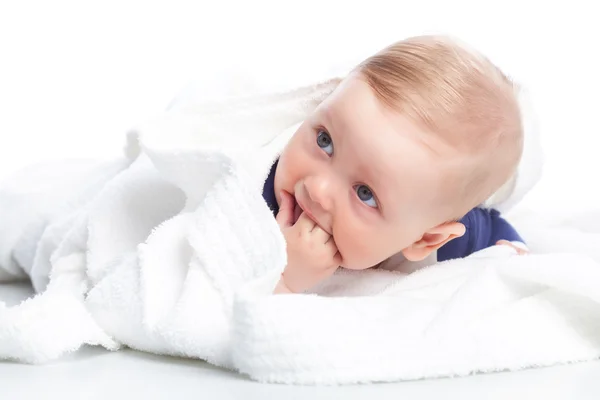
415	137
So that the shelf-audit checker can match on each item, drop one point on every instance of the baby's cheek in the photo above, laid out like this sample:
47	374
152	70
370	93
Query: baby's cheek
357	251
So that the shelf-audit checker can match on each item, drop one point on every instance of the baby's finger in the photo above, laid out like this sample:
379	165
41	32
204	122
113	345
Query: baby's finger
285	216
332	248
320	235
521	250
304	223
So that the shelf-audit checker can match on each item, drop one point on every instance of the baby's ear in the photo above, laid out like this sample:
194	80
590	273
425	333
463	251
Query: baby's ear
433	240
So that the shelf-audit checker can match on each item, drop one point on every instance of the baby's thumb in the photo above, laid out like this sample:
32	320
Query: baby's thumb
285	216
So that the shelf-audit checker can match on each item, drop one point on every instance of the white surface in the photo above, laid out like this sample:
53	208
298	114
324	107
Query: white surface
97	374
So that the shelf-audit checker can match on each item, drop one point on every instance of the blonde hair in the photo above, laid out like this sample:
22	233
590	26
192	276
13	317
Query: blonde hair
461	96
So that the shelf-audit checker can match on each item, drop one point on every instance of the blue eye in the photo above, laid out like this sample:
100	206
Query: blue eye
324	141
366	195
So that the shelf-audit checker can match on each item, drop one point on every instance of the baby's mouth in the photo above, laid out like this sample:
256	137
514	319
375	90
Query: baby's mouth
298	211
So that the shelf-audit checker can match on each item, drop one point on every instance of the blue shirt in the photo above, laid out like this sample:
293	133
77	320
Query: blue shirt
484	227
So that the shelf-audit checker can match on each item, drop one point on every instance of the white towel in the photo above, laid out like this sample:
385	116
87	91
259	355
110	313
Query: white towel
173	251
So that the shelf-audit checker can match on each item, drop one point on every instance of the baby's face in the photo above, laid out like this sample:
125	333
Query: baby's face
367	174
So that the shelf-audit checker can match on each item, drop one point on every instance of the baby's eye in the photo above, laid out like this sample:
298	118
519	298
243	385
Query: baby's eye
324	141
365	195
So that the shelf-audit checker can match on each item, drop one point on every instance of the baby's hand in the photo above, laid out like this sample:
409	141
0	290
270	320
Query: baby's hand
520	250
311	252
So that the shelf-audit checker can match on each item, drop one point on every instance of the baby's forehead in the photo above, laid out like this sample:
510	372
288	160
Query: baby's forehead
353	104
361	116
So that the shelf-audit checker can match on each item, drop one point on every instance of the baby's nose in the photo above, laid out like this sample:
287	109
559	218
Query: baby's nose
319	189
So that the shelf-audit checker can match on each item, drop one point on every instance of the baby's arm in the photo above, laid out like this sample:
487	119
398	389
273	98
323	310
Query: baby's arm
484	228
504	234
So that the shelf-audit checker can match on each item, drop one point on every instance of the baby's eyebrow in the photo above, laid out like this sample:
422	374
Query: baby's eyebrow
335	125
328	118
378	180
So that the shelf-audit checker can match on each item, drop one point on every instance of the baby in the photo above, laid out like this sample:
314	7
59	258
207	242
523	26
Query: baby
396	161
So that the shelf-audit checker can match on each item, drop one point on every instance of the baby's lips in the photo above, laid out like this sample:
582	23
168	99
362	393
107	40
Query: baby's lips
284	199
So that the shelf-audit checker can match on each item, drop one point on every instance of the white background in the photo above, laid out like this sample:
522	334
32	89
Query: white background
74	75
